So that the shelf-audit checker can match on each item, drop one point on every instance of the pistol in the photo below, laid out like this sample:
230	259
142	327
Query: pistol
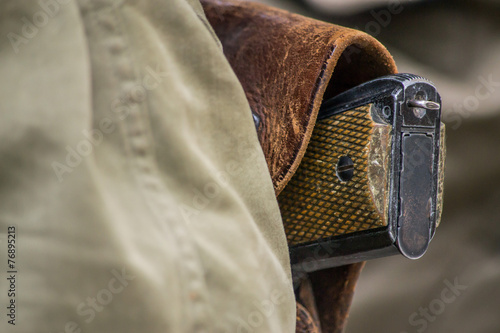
371	181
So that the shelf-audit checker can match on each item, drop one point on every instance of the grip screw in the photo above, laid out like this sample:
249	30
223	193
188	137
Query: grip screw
345	168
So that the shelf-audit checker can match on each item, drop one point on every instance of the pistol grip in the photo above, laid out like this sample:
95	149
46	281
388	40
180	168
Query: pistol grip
341	185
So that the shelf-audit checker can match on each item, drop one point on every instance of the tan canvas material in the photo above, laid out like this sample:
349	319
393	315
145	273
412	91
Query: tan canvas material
133	176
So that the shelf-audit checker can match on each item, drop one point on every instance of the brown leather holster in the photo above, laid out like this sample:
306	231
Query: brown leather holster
287	64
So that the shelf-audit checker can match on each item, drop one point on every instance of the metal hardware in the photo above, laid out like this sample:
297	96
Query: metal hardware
256	121
370	184
345	168
428	105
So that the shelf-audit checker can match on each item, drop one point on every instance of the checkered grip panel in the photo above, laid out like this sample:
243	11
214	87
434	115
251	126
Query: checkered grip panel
316	204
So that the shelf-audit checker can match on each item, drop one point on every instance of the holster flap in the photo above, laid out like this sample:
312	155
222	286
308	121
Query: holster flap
287	65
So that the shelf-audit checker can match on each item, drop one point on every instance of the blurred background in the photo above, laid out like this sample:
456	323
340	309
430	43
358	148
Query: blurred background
455	287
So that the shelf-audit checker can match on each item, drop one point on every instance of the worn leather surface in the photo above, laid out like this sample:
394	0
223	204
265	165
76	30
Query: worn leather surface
333	290
287	64
327	296
305	322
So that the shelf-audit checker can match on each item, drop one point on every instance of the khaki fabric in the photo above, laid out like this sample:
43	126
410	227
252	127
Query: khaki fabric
132	173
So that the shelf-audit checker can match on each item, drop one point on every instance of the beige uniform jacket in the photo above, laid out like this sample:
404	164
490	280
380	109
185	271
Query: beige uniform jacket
131	176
